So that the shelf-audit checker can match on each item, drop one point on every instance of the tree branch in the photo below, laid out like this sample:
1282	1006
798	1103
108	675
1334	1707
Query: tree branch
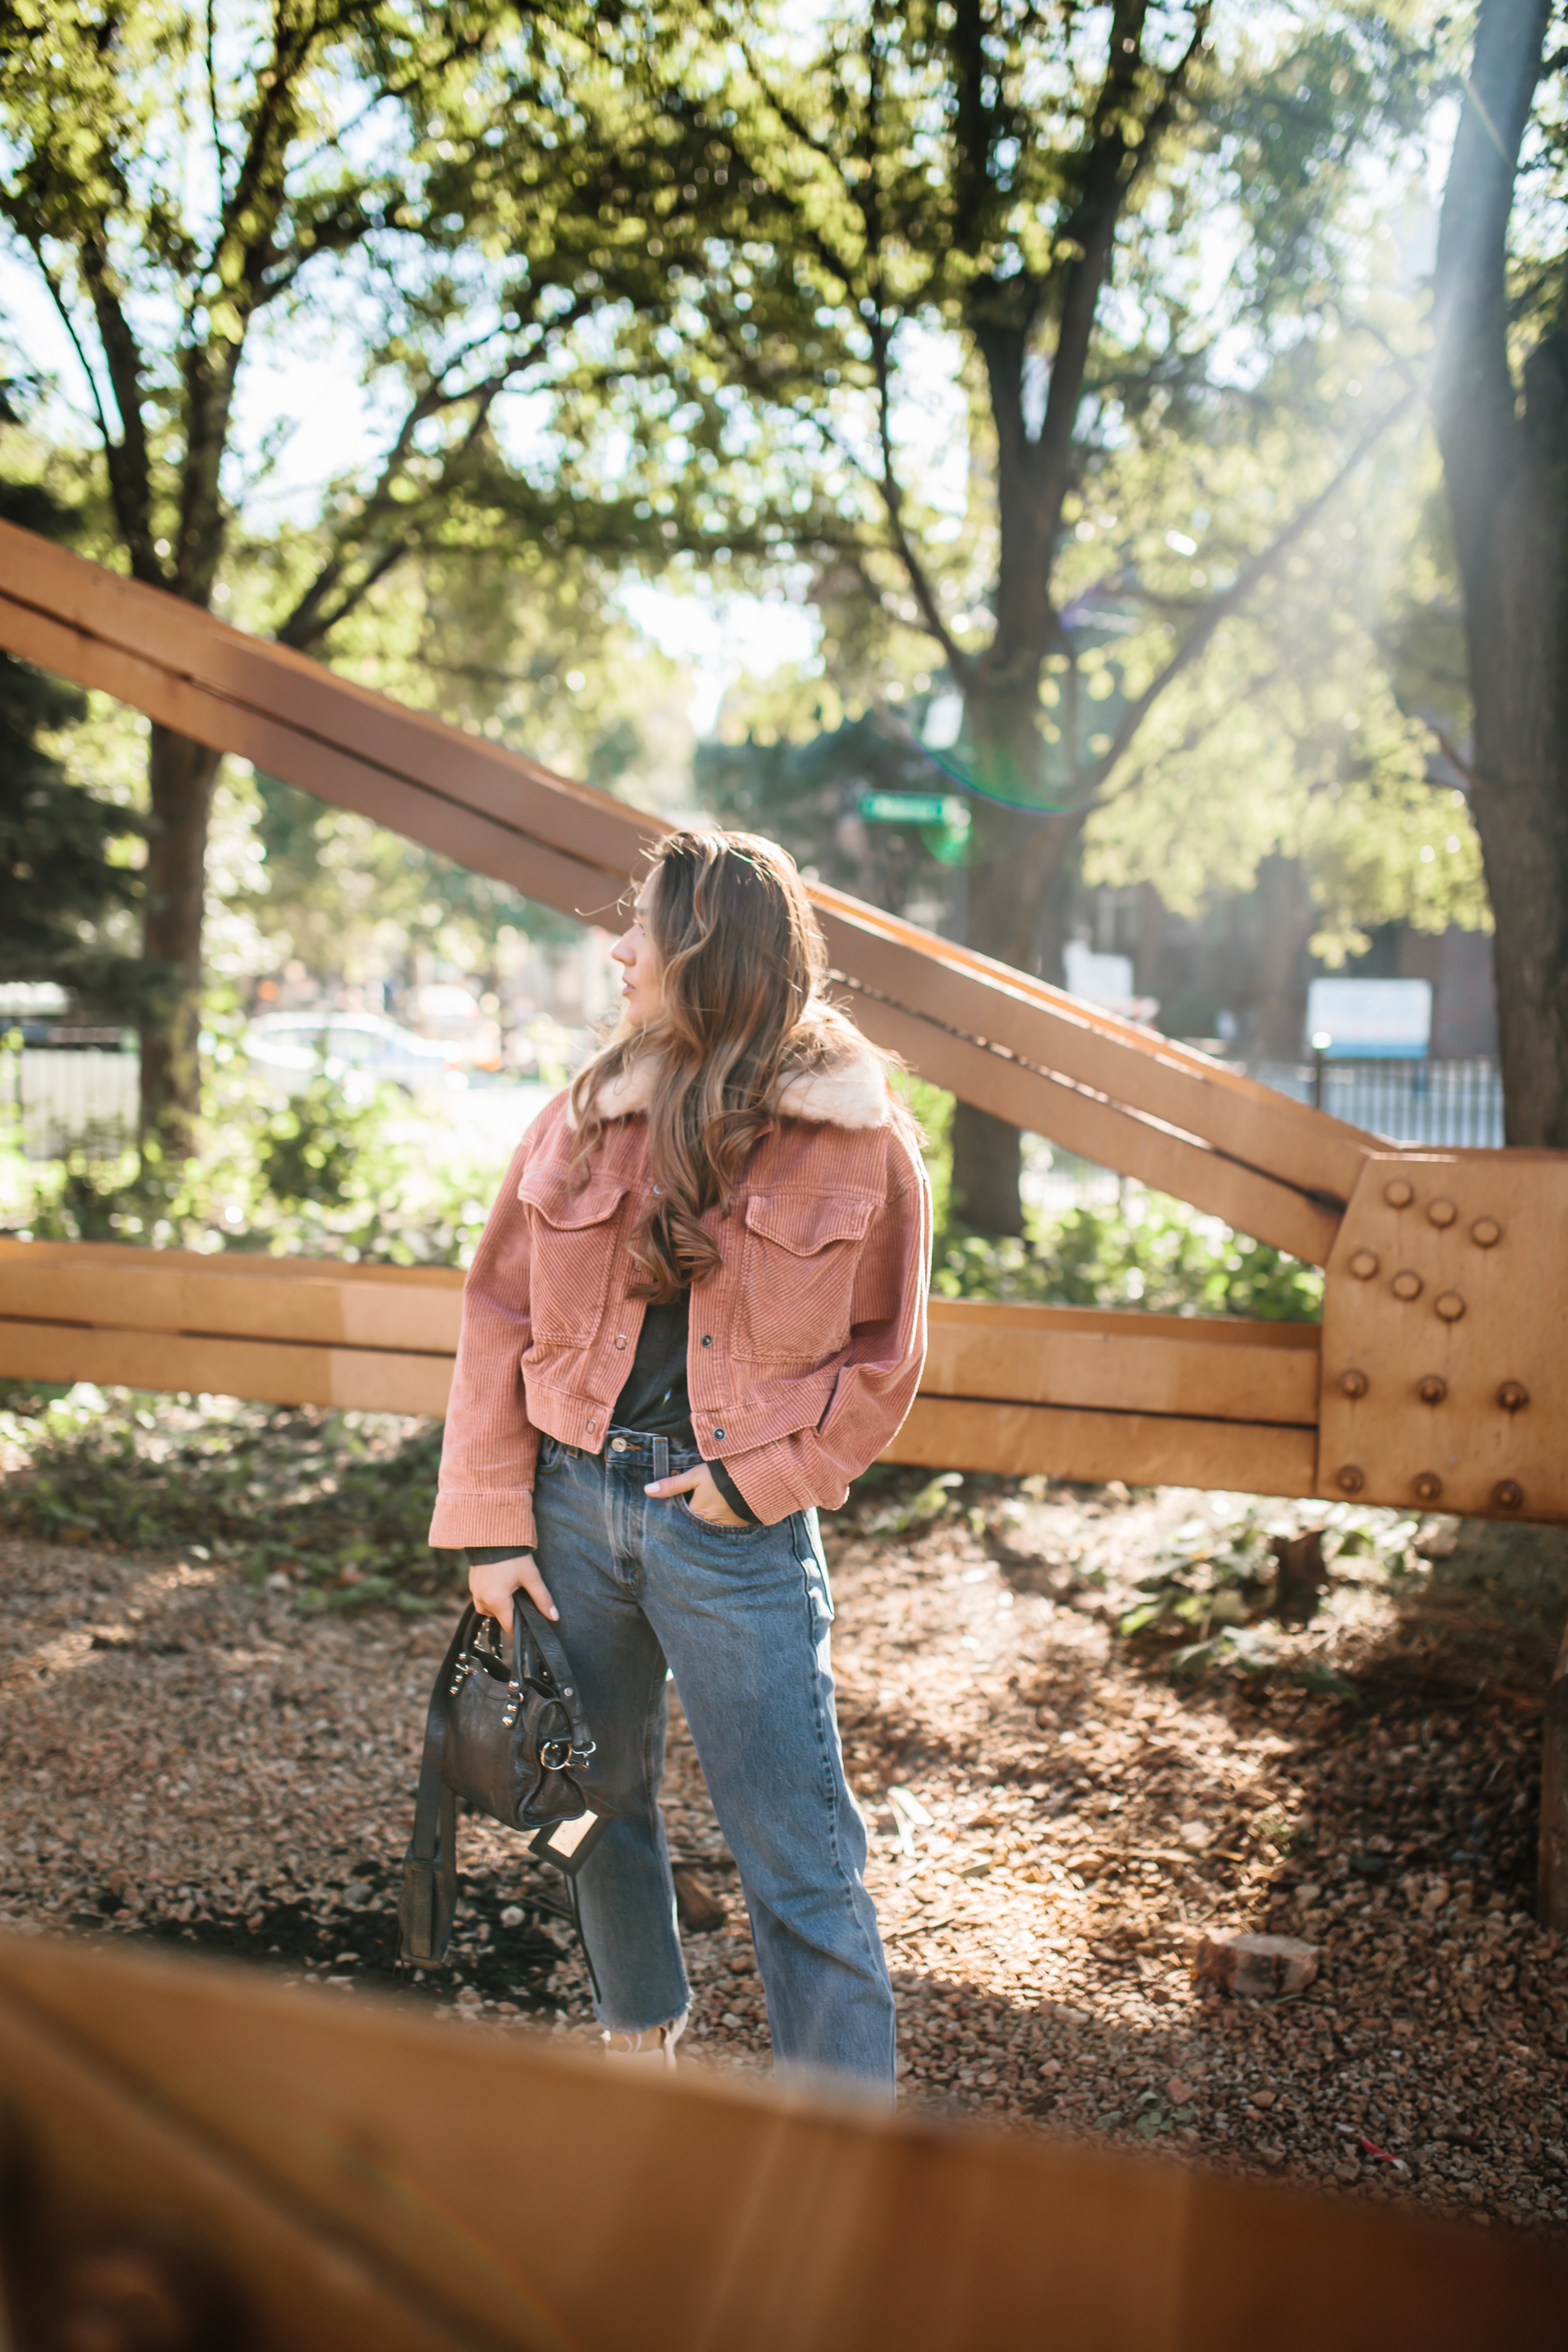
892	498
1455	757
1195	735
220	152
1246	581
129	460
56	295
315	615
1107	184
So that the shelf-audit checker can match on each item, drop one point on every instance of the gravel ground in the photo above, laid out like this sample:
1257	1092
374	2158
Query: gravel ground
1057	1815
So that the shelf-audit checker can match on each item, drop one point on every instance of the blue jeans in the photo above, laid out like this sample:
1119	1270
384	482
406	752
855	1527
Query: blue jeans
741	1615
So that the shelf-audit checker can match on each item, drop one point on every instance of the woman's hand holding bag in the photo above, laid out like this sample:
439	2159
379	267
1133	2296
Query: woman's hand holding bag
491	1584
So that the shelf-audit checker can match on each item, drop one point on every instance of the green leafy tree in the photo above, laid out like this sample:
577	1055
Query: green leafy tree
530	652
1312	731
65	852
1031	191
464	187
807	794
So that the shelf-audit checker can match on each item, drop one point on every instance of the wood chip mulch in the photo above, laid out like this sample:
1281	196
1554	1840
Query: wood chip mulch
1057	1819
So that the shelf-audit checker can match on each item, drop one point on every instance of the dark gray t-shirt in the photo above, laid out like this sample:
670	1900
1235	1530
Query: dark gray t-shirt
654	1400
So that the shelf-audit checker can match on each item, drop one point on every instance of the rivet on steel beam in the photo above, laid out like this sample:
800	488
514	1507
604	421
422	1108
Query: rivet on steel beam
1399	1194
1513	1396
1442	1213
1407	1286
1433	1389
1350	1479
1427	1486
1364	1265
1352	1383
1509	1495
1486	1233
1449	1305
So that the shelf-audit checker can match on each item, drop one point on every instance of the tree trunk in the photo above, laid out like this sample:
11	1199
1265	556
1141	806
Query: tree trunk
1274	1030
180	778
1516	601
1505	463
1020	869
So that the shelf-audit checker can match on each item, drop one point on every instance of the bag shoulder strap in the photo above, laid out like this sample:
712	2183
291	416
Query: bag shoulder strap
429	1900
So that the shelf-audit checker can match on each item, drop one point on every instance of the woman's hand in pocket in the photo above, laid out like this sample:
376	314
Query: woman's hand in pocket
707	1501
491	1586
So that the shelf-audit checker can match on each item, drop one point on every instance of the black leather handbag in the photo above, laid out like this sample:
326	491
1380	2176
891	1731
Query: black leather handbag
509	1738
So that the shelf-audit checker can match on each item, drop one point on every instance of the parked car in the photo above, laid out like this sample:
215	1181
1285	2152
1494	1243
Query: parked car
364	1049
454	1015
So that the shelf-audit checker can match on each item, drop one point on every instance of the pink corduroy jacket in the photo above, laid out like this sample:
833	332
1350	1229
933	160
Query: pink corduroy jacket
806	1343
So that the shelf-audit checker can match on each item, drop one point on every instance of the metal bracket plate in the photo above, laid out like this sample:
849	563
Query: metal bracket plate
1444	1356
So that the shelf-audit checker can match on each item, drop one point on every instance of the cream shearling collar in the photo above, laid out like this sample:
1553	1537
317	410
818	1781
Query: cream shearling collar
853	1093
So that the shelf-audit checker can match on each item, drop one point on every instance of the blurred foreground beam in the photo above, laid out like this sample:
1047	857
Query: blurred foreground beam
1119	1095
296	2172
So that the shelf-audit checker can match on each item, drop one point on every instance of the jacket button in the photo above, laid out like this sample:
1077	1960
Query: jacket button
720	1435
708	1338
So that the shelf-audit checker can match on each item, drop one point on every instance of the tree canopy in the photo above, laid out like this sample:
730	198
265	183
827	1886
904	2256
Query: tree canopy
1068	362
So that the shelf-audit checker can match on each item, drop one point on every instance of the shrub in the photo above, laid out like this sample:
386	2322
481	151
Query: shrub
337	1502
1156	1254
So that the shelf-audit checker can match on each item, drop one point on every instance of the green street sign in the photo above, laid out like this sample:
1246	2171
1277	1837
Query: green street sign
915	808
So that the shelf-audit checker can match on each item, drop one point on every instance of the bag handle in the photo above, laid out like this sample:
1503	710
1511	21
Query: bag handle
529	1625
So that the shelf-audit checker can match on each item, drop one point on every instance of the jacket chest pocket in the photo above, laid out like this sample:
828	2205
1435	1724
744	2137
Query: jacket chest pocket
797	1276
573	1237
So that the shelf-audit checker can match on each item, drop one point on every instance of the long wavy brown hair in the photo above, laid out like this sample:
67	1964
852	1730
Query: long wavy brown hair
743	974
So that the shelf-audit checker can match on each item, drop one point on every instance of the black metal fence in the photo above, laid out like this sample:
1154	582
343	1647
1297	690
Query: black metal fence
1458	1102
66	1090
71	1090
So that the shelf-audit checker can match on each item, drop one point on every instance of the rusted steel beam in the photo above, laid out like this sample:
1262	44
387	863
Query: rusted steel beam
1126	1098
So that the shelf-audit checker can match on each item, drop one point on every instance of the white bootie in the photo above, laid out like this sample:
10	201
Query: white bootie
655	2046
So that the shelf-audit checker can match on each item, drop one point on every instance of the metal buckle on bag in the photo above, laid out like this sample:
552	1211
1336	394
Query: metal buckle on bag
554	1754
460	1672
581	1755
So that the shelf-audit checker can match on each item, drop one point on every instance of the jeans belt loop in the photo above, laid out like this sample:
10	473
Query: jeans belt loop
661	1457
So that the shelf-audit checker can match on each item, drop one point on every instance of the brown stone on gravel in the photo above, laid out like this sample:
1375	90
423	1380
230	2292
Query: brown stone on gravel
1266	1966
697	1906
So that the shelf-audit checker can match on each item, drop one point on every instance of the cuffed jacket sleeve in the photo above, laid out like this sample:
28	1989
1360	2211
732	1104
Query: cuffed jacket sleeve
878	1376
491	1446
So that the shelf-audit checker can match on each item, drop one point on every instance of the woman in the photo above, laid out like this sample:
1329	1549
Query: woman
697	1313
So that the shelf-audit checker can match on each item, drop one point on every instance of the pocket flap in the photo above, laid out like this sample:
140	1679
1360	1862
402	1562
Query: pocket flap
567	1211
804	1222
